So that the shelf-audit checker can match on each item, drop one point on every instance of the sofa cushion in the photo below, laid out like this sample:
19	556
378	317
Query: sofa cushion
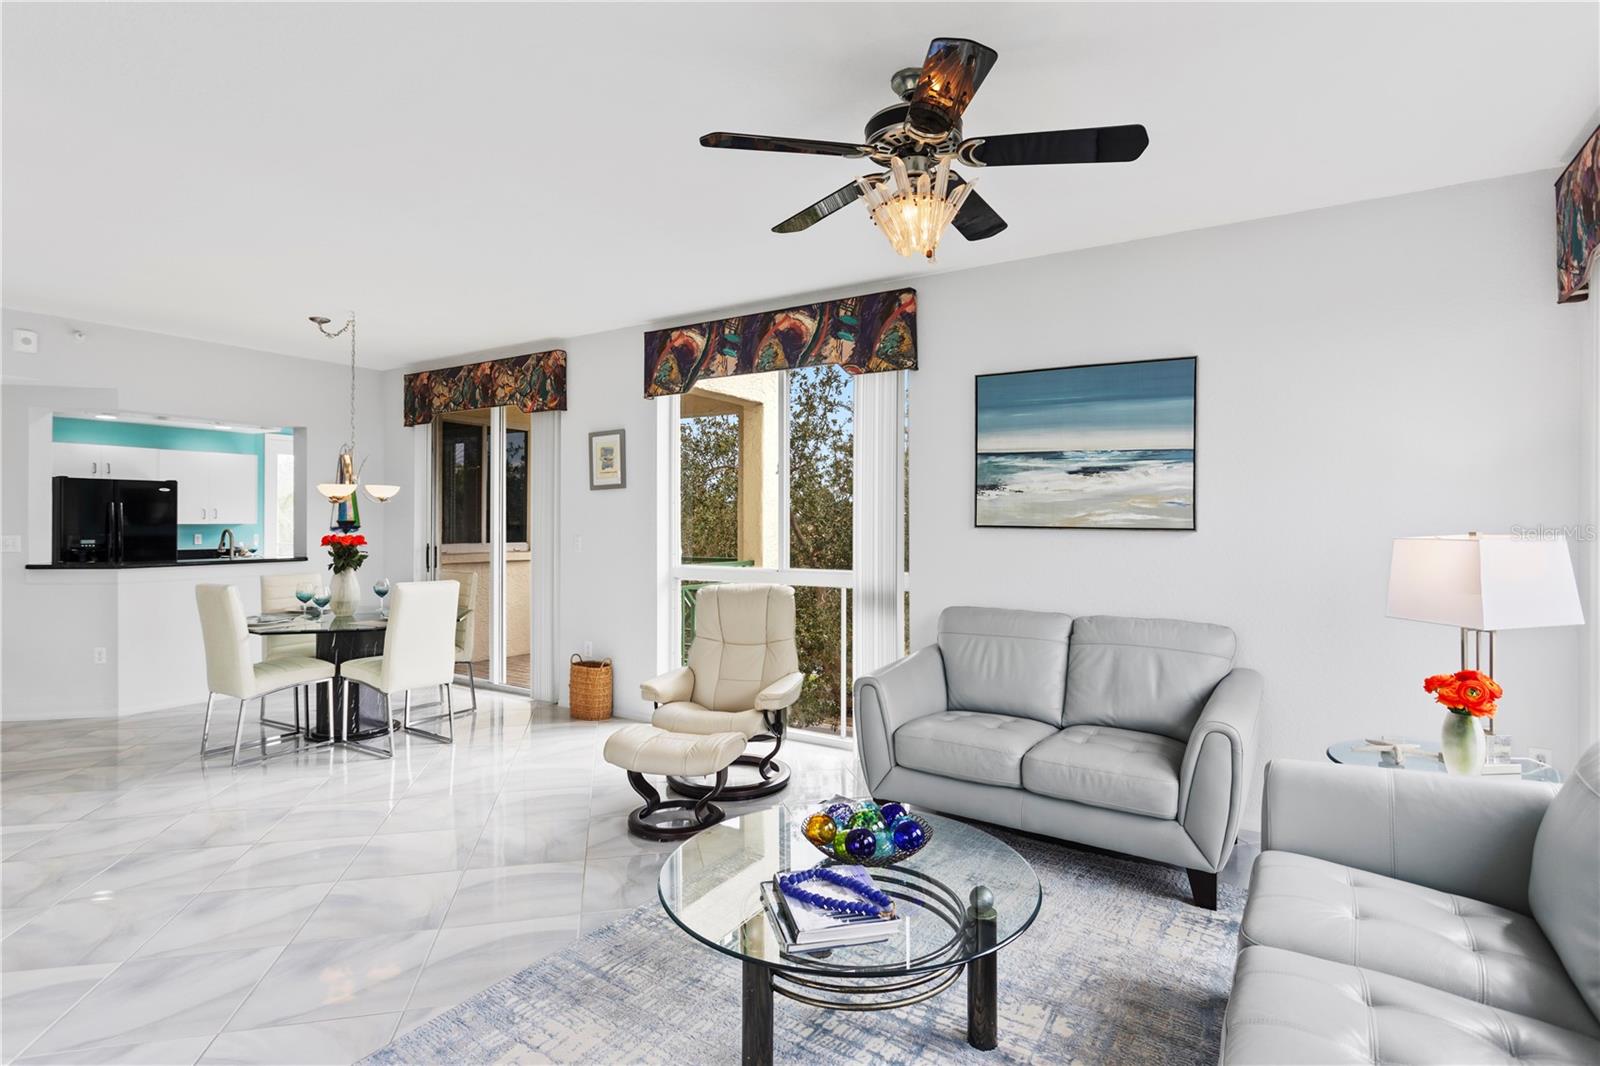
1292	1008
970	745
1114	768
1007	662
1475	950
1147	674
1564	883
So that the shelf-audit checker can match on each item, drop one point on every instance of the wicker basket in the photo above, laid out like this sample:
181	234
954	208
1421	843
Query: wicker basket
590	683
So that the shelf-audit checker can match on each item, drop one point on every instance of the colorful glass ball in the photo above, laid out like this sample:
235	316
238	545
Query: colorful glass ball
885	840
892	812
866	818
840	813
861	843
820	829
840	851
908	835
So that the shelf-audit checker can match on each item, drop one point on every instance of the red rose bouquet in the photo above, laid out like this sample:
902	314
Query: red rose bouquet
345	551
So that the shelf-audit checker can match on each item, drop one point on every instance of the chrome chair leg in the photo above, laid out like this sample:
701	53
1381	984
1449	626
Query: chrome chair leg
388	718
238	733
472	686
205	728
413	727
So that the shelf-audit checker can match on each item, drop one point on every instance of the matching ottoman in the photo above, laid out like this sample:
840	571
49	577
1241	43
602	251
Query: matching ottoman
644	749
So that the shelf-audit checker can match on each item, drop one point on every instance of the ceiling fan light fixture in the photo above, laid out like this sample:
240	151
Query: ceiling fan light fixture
913	213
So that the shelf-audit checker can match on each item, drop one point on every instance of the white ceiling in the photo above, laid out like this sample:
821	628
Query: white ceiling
472	176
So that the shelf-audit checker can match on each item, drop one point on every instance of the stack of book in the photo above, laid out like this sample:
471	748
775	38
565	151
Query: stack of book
805	927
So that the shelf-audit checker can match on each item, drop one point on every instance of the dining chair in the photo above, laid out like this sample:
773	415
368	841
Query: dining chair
418	652
277	594
466	627
230	673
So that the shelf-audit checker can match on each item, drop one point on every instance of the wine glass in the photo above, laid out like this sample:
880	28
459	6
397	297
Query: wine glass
322	597
381	587
303	592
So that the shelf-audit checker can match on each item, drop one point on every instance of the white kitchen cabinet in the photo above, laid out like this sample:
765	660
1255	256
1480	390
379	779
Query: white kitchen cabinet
214	487
105	460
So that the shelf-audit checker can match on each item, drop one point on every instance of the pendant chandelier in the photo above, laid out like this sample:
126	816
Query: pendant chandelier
341	492
912	212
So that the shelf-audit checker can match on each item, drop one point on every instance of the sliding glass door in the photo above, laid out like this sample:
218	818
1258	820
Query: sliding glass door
482	521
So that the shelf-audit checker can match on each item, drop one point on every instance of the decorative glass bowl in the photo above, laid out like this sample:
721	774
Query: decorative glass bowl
867	834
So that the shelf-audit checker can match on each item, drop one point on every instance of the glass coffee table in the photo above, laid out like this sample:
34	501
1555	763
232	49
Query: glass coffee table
966	895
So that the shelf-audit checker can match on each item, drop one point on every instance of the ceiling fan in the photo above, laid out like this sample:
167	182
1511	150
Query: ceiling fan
919	139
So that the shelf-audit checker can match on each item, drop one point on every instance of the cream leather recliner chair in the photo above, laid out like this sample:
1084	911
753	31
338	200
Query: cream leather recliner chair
743	676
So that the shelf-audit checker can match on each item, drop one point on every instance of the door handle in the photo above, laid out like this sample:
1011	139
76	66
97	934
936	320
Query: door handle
108	469
94	468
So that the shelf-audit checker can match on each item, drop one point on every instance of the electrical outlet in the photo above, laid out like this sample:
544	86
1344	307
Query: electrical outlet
577	544
100	658
1540	755
10	544
588	649
197	539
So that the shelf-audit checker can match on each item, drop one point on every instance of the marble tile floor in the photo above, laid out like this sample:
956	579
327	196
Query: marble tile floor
157	909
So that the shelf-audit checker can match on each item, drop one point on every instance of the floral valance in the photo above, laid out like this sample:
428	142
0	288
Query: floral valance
1578	221
535	382
863	334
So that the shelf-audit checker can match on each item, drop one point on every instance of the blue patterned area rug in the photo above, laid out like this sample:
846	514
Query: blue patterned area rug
1119	968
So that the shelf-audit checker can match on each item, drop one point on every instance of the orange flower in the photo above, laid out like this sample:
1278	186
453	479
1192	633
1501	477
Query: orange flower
1467	691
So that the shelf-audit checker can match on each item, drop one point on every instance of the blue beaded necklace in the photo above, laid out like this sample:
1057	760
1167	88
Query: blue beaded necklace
881	903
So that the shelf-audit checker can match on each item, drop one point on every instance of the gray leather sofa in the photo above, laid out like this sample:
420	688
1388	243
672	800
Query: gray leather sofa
1416	918
1130	734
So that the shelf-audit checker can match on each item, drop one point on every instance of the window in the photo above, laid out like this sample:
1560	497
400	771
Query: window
463	491
464	483
765	481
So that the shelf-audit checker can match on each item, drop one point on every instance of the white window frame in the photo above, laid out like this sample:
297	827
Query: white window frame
676	572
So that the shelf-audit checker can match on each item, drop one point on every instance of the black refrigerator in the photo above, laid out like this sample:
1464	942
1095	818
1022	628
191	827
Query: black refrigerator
109	522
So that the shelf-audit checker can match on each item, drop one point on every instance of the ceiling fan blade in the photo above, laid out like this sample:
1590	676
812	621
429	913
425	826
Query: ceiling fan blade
951	74
838	198
977	220
756	142
1102	144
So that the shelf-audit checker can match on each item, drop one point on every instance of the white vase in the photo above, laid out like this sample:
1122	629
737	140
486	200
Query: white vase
1461	743
346	589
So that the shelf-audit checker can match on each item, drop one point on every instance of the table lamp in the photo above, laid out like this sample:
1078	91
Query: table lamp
1482	583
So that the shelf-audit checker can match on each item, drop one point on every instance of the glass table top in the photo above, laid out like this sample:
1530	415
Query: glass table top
278	622
1425	757
711	887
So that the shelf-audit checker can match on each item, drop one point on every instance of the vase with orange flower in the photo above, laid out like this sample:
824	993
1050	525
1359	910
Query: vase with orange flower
1469	696
345	557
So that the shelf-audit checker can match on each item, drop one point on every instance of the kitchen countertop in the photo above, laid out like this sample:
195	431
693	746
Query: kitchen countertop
170	564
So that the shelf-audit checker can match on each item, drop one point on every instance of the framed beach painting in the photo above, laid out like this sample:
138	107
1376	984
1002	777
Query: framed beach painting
1102	446
606	461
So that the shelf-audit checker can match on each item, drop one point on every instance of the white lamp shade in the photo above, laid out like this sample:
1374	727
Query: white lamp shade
1479	581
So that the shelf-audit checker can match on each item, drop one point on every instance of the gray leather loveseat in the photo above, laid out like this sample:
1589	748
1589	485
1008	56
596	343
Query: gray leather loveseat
1402	917
1130	734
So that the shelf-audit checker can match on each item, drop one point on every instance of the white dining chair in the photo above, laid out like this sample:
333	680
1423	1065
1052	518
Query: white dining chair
466	627
419	647
230	673
278	594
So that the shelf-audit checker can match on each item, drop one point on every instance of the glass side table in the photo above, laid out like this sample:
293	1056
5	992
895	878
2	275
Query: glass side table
1425	758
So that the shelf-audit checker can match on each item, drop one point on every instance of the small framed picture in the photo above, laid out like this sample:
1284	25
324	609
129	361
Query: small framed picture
607	469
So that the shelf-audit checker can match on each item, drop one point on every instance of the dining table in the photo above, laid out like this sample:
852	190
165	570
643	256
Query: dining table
340	637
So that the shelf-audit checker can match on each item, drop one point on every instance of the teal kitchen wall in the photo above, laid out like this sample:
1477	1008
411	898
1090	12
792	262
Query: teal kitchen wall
179	439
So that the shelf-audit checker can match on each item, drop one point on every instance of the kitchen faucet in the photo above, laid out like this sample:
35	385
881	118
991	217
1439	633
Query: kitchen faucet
226	544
